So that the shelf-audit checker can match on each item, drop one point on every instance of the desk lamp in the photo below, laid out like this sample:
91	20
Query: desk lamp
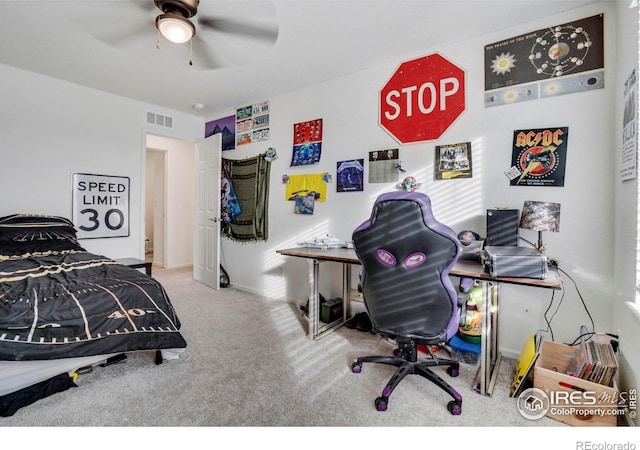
540	216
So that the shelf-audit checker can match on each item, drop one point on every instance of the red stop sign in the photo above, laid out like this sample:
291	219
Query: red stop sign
422	99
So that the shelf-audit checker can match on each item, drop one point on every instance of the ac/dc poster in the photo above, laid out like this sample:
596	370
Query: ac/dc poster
539	157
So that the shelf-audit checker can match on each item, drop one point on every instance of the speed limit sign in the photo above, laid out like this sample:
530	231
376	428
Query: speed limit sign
100	205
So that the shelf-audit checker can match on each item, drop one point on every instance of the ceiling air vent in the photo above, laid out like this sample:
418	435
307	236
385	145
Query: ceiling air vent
160	120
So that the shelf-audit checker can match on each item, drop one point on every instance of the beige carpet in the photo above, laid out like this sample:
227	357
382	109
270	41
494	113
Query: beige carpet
249	363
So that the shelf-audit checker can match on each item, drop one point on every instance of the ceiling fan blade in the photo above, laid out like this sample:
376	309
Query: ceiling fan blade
126	24
264	30
203	58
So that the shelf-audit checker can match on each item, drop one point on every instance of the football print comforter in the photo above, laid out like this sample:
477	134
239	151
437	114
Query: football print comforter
57	300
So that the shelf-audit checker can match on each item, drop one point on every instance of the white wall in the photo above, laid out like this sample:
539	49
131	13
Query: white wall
626	318
50	129
349	109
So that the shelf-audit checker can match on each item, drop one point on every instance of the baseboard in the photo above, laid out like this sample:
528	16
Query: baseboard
179	266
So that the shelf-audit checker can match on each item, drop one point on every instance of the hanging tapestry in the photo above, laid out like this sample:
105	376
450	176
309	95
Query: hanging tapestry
250	180
229	207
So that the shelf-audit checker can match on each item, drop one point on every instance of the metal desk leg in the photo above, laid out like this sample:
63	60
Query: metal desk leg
494	356
346	291
314	298
315	329
489	354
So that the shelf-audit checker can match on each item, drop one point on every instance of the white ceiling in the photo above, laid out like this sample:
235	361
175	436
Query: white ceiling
110	45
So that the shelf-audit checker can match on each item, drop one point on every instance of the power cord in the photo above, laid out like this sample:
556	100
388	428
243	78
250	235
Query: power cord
584	333
547	320
553	263
614	341
593	326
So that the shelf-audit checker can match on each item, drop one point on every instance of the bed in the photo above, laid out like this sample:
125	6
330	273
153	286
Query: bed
63	308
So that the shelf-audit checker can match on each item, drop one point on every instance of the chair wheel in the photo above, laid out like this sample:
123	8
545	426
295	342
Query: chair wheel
356	367
381	404
453	370
454	408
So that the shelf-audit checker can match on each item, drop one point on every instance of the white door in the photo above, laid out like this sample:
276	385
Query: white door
206	254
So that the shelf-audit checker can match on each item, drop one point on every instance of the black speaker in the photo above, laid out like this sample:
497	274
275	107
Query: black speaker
502	227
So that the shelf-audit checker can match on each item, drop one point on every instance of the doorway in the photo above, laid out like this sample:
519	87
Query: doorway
170	191
155	207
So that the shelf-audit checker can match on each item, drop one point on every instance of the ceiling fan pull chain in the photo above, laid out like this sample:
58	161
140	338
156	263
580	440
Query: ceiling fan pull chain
158	41
191	52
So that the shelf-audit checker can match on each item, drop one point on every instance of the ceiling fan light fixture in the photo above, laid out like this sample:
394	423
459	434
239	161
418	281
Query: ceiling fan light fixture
175	27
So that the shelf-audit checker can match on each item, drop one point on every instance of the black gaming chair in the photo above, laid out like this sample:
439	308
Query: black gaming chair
406	256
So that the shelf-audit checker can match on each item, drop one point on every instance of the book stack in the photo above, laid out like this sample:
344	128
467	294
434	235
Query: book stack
595	362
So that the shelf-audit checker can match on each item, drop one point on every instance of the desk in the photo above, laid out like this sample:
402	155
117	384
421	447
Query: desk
136	264
489	353
314	257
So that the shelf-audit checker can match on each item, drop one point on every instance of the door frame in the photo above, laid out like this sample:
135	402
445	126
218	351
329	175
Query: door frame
163	156
169	260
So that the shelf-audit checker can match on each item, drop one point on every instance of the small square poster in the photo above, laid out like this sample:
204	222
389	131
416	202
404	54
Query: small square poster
350	176
453	161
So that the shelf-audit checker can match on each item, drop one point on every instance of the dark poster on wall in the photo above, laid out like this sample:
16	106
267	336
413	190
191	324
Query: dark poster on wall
453	161
225	126
350	175
539	157
557	60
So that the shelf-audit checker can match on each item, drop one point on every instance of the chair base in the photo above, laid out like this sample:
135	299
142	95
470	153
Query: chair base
406	361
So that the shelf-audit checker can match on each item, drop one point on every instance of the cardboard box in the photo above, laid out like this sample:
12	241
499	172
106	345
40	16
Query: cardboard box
572	400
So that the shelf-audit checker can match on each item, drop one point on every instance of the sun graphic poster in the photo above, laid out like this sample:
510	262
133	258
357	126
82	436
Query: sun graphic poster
558	60
539	157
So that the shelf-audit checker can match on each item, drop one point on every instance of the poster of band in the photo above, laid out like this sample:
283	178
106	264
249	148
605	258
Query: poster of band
384	166
350	175
100	205
539	157
252	123
453	161
558	60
